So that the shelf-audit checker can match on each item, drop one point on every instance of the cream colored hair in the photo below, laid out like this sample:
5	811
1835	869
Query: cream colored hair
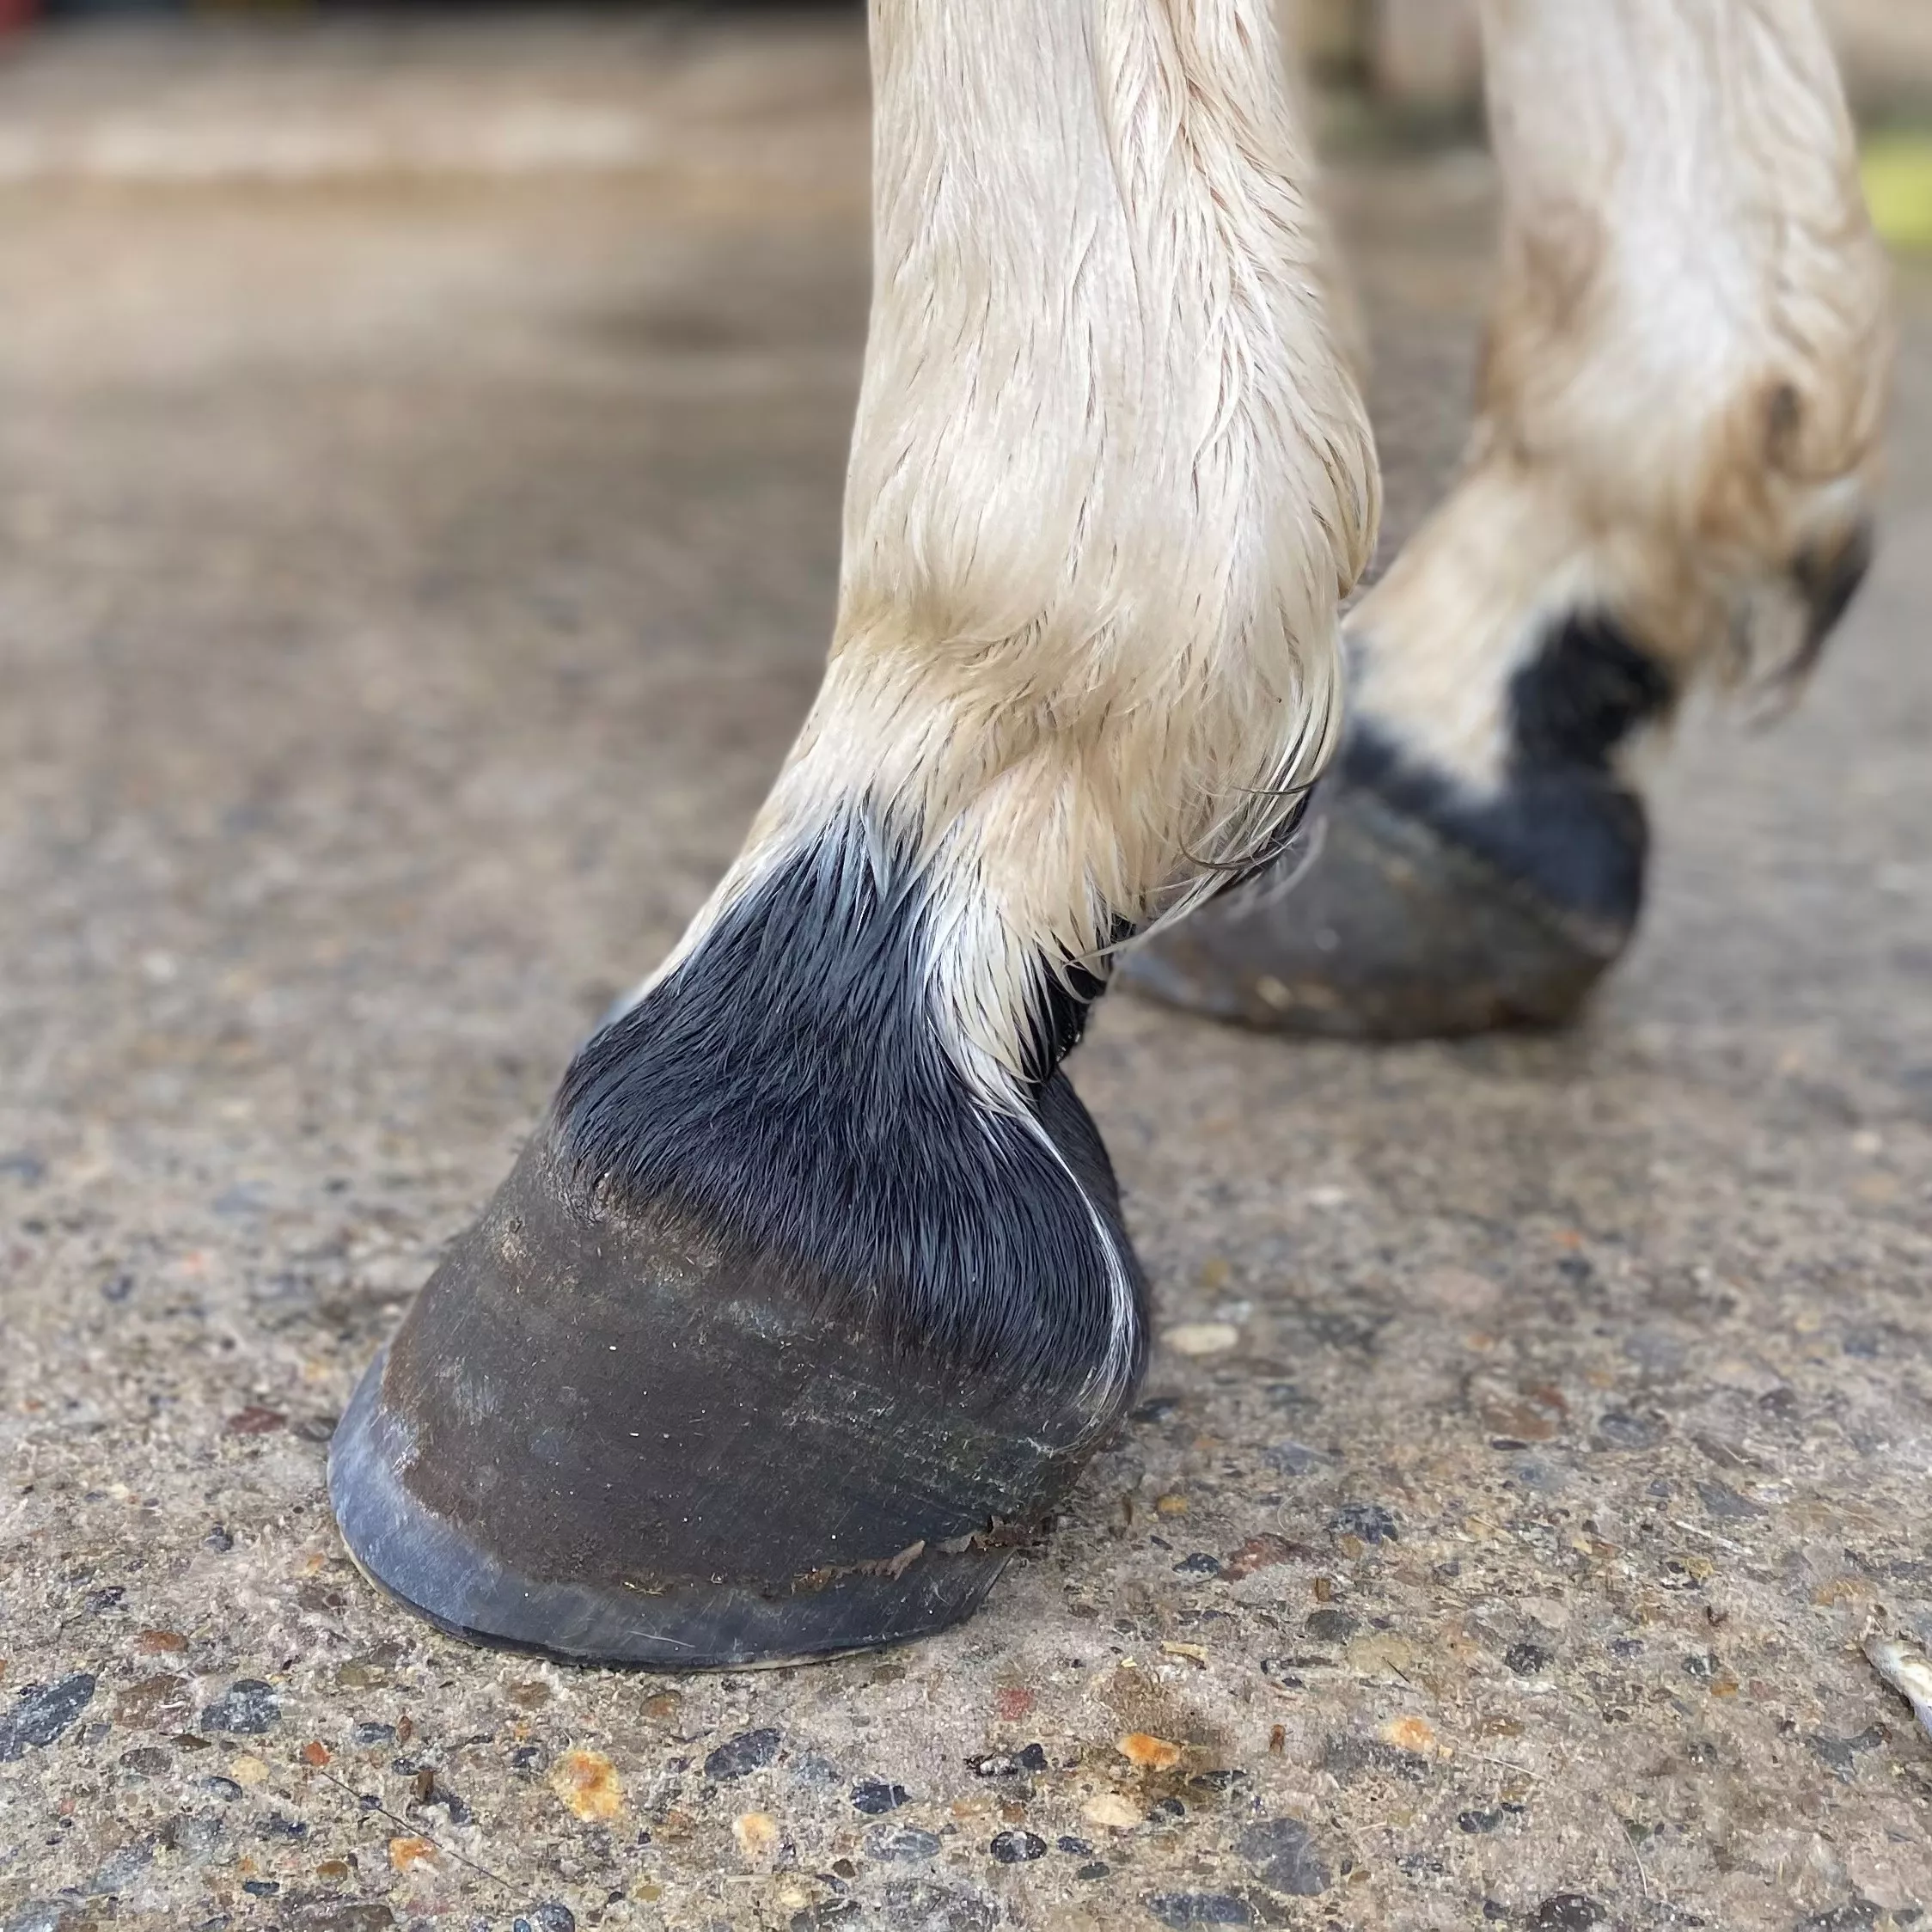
1686	363
1109	483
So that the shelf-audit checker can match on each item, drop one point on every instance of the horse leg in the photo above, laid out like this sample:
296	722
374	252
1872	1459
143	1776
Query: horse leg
811	1294
1668	480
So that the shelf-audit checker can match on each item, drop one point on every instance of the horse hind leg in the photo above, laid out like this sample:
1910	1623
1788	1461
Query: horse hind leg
1669	481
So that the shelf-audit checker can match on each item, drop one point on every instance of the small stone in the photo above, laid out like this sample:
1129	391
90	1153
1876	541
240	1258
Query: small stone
315	1753
1018	1848
1149	1752
1199	1564
1012	1702
120	1869
1527	1660
1182	1909
1282	1852
163	1703
147	1761
756	1833
42	1713
1411	1735
405	1854
192	1835
1265	1552
553	1917
1617	1428
874	1796
261	1888
925	1905
157	1643
370	1733
1172	1505
248	1769
587	1784
1854	1915
1727	1505
1330	1626
247	1707
741	1755
361	1673
1077	1848
1203	1338
534	1695
1293	1459
254	1420
1567	1911
1369	1521
900	1844
1477	1821
1112	1811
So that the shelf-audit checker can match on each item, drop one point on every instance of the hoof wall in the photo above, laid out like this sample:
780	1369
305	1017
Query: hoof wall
1395	930
618	1434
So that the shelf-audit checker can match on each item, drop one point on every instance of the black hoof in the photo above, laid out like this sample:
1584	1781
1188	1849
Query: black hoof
776	1358
1396	930
1428	910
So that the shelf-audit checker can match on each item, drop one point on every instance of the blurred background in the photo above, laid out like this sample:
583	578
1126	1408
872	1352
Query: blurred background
1420	53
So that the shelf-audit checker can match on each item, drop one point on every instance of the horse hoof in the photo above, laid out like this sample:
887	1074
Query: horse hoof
1417	915
778	1337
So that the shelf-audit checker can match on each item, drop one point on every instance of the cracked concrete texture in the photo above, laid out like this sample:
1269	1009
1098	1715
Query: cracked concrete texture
408	580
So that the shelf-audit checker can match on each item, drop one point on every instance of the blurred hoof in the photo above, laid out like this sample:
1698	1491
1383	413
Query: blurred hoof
1417	916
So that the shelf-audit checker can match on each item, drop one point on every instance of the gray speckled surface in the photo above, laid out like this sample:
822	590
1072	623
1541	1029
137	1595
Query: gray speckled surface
407	587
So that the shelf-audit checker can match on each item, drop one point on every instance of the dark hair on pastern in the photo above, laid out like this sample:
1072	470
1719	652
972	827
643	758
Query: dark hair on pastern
788	1087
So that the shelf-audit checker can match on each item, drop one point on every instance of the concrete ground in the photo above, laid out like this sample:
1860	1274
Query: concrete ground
419	459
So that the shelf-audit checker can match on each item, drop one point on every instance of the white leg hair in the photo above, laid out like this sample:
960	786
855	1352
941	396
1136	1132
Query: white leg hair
1108	481
1680	396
